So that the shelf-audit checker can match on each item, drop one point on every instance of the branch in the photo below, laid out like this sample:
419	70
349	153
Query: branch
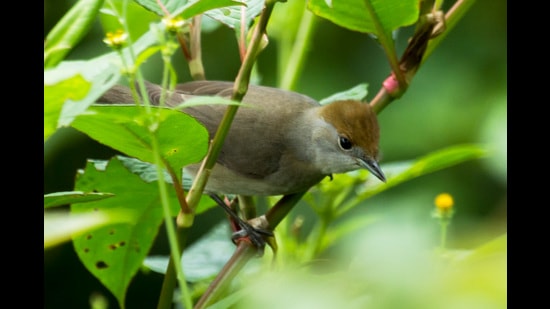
239	90
426	37
245	251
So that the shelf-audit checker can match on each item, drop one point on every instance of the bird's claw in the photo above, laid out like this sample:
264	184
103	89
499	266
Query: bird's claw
255	235
255	231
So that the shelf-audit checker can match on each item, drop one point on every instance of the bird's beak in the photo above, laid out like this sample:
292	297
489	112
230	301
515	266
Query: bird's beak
374	168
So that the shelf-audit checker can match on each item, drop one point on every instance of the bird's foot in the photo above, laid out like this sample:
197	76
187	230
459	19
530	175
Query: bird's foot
255	231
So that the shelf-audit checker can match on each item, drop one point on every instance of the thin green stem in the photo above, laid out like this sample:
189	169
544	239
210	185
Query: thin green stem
277	213
247	207
383	98
443	241
238	260
315	239
387	43
195	64
293	67
170	277
170	226
245	251
152	125
241	86
175	249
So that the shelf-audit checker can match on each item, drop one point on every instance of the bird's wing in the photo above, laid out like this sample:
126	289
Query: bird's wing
245	148
242	150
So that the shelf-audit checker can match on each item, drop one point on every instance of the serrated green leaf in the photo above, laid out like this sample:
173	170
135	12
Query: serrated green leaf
367	15
65	198
182	139
69	31
114	253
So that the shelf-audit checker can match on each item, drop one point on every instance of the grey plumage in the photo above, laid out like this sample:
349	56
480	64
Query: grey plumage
281	144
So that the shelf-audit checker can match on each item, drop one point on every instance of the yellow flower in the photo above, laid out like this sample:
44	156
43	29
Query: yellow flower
116	40
444	201
173	24
443	206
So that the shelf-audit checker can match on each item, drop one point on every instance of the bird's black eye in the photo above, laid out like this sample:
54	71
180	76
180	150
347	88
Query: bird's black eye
345	143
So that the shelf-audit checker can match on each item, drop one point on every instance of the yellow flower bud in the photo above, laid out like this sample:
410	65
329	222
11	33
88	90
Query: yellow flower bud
444	201
174	25
116	40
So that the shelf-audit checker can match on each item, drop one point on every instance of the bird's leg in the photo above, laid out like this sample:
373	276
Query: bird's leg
255	234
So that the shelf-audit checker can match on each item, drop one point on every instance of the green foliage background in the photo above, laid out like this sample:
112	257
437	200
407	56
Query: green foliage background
458	96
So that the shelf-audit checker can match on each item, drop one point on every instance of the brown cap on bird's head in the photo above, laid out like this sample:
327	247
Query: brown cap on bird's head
356	122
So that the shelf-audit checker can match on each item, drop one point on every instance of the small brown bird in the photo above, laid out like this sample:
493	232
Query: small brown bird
282	143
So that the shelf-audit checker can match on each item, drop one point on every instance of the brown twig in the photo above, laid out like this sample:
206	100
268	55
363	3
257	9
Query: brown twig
418	49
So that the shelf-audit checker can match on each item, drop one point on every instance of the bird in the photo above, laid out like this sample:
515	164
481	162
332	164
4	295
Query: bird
281	142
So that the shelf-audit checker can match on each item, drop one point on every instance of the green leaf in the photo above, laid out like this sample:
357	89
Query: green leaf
404	171
64	198
483	269
74	88
427	164
367	16
114	253
182	139
69	31
495	249
203	259
357	93
231	16
215	100
137	19
60	226
335	233
148	172
187	9
170	5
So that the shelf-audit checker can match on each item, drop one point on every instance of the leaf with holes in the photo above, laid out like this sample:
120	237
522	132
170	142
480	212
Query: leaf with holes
114	253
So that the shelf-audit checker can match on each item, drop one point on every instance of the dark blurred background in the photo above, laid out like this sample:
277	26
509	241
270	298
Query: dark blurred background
458	96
